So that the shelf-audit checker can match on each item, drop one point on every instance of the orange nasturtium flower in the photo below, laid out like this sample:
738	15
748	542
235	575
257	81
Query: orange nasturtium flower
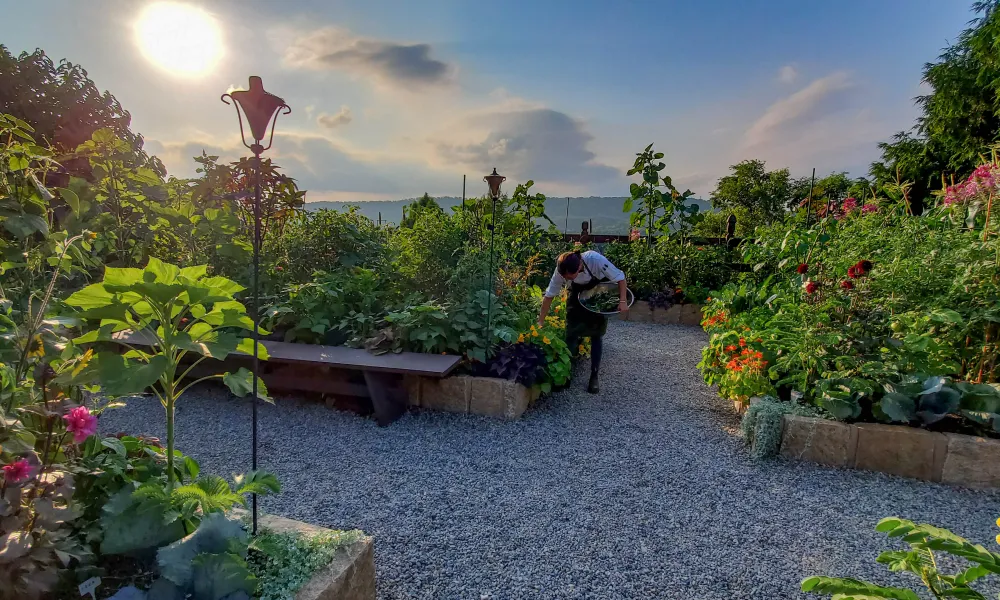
545	340
520	339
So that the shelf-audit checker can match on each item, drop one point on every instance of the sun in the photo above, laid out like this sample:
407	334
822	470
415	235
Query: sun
179	38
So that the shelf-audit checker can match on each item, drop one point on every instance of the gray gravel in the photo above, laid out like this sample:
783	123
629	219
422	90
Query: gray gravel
644	491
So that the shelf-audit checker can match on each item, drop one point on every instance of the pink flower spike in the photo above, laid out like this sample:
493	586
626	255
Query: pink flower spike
80	423
17	471
869	208
850	204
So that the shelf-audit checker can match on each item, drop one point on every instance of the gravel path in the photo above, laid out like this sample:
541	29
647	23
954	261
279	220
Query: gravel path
643	491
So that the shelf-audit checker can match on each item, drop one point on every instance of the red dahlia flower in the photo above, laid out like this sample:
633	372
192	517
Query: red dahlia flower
801	269
852	272
811	287
847	285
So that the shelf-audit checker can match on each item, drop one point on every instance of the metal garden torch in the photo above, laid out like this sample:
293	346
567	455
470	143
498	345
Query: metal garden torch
261	110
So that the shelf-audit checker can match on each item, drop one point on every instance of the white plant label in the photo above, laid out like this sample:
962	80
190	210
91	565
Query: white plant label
90	587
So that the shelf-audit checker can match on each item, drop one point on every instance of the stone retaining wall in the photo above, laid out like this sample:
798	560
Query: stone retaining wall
949	458
472	395
678	314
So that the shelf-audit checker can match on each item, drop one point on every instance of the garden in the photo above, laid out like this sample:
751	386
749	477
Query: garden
856	301
98	243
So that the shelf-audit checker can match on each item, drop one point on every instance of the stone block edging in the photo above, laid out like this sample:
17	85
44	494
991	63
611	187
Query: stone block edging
349	576
465	394
678	314
955	459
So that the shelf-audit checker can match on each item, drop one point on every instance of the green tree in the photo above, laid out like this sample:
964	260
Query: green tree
410	211
753	192
64	107
960	118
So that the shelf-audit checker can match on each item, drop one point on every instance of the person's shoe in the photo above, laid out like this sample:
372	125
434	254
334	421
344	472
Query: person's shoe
594	387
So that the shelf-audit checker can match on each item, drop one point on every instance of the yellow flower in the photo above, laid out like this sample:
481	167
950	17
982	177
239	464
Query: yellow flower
545	340
582	349
998	522
998	539
533	332
520	339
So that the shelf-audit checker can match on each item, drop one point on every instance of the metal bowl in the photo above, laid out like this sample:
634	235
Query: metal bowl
603	287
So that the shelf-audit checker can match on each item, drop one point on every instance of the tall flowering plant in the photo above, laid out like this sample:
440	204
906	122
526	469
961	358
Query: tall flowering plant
970	202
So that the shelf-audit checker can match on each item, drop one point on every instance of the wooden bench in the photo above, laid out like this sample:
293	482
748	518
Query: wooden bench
335	370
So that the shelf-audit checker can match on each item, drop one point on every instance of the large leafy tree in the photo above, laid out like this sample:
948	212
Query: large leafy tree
752	192
63	106
960	118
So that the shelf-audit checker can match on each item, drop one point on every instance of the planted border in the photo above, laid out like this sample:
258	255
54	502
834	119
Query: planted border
950	458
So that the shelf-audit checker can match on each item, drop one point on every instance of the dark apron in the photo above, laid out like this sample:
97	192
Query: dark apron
580	322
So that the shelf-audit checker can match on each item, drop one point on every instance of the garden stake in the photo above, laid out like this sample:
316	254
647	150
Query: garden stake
261	109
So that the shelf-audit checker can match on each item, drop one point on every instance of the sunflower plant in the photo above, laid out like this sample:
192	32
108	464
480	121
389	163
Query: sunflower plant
162	314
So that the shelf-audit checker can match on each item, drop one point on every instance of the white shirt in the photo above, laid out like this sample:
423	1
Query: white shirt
596	263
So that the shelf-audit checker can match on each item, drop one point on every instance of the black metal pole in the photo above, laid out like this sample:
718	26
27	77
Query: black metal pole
489	298
256	324
809	201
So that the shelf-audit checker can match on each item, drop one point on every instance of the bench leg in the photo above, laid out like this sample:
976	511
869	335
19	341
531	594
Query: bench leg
388	408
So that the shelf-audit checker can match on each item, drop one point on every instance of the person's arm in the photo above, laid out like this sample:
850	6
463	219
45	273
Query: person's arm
555	286
546	303
622	296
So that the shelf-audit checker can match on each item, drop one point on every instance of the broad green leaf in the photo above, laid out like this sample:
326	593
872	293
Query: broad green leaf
246	347
194	273
25	225
71	199
227	286
91	297
161	272
122	378
121	278
898	407
240	384
17	163
855	589
219	575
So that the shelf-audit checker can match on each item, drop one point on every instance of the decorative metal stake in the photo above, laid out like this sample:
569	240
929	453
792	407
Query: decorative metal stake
261	109
494	180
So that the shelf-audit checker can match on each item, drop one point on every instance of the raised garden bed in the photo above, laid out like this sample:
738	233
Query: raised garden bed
951	458
471	395
677	314
349	576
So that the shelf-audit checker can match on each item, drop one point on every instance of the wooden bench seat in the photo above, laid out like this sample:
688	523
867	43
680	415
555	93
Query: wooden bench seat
335	370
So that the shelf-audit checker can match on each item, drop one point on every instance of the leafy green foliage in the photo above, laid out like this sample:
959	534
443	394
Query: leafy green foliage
924	541
752	193
659	206
284	562
174	312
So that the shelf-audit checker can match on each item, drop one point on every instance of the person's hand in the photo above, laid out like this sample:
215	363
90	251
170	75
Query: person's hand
623	306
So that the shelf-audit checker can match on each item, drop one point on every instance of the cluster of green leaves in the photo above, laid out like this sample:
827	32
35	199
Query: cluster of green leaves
659	206
284	562
924	542
913	341
670	264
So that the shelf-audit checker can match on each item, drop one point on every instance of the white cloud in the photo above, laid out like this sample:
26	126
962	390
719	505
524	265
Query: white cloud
787	74
817	100
341	117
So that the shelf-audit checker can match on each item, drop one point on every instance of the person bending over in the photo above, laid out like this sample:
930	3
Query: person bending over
582	272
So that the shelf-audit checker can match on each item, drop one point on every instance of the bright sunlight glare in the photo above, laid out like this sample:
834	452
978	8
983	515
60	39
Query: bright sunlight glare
179	38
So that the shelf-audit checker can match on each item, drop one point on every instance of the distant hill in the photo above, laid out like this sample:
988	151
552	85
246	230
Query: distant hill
605	212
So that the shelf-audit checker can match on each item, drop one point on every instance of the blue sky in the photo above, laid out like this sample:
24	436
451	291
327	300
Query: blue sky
392	98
